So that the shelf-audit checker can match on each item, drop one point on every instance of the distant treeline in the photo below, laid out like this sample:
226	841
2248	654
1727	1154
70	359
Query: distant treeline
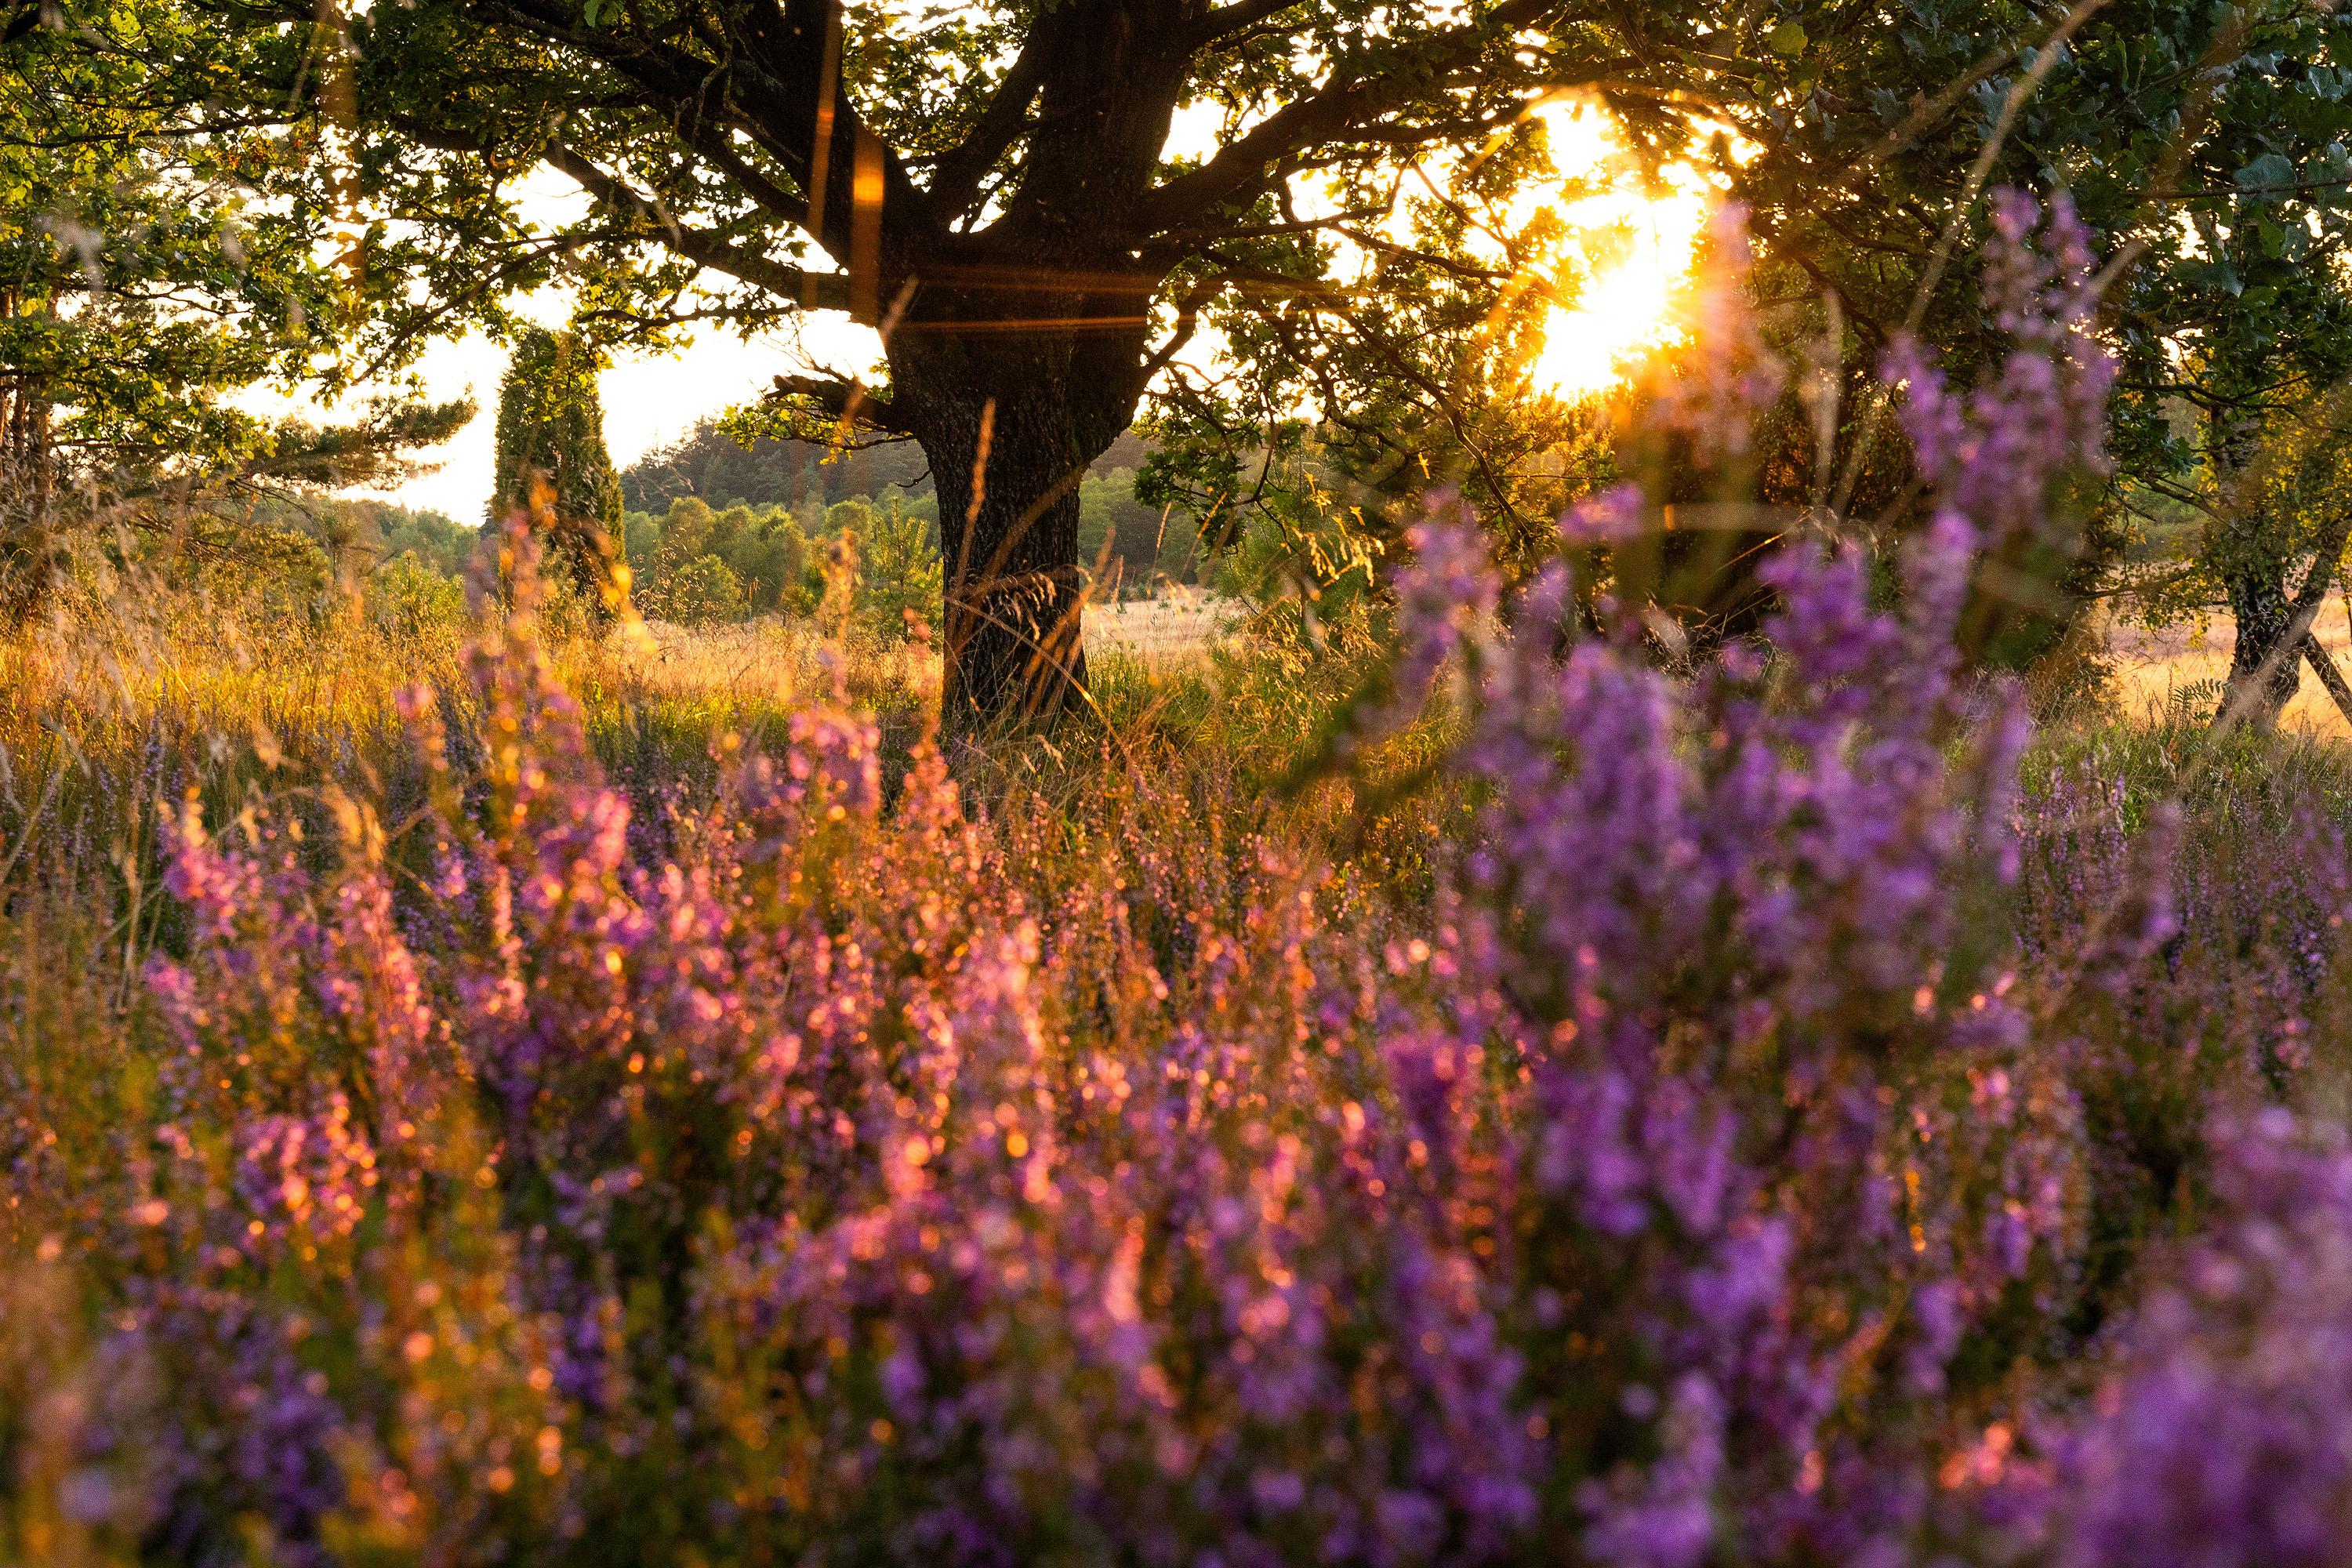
733	533
809	481
693	565
711	466
370	533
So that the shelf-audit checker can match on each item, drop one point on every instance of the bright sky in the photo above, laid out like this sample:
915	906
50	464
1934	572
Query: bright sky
650	399
1625	304
1629	252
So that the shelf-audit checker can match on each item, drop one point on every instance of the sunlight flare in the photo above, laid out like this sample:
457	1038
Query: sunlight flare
1624	254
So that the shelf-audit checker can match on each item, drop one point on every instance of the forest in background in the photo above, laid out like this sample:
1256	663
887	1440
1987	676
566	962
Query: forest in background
778	502
736	531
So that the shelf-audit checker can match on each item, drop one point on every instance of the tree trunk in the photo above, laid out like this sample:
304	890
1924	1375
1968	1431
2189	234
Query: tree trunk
1021	350
2265	672
1009	429
27	495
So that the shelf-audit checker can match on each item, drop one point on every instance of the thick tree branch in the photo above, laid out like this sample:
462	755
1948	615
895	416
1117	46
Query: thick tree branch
2324	667
770	85
2324	564
712	142
780	86
826	290
1343	106
674	77
1227	20
843	400
956	177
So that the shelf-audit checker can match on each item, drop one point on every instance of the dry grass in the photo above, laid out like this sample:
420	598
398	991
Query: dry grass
1179	628
767	662
125	660
771	662
2151	667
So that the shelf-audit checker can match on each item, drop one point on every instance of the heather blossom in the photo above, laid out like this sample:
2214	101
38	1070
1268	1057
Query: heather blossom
2217	1433
833	1163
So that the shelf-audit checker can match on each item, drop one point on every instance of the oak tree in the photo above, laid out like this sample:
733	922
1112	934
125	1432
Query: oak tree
991	187
988	184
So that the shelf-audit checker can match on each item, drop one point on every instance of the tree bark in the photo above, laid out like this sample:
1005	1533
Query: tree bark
2323	666
27	494
1009	435
2293	643
2264	672
2258	602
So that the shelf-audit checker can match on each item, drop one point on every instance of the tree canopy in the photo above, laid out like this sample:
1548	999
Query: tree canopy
161	249
1334	296
990	185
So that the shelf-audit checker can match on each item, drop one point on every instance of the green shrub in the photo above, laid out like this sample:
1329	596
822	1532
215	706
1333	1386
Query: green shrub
899	572
407	598
704	590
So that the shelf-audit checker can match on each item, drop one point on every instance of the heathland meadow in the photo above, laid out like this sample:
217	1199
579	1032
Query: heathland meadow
1474	1085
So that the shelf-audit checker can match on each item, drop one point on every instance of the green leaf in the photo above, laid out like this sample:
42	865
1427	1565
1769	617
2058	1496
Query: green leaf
2268	172
1786	40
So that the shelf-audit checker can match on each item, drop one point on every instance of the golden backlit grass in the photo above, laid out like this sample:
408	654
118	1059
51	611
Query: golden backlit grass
2155	673
117	701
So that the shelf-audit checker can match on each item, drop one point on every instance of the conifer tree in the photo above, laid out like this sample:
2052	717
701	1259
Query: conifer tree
551	448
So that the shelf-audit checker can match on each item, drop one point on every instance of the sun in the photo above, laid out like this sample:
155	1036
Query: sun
1626	254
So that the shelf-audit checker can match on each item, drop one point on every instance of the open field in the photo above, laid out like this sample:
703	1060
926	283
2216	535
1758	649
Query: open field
771	660
2150	667
1180	625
